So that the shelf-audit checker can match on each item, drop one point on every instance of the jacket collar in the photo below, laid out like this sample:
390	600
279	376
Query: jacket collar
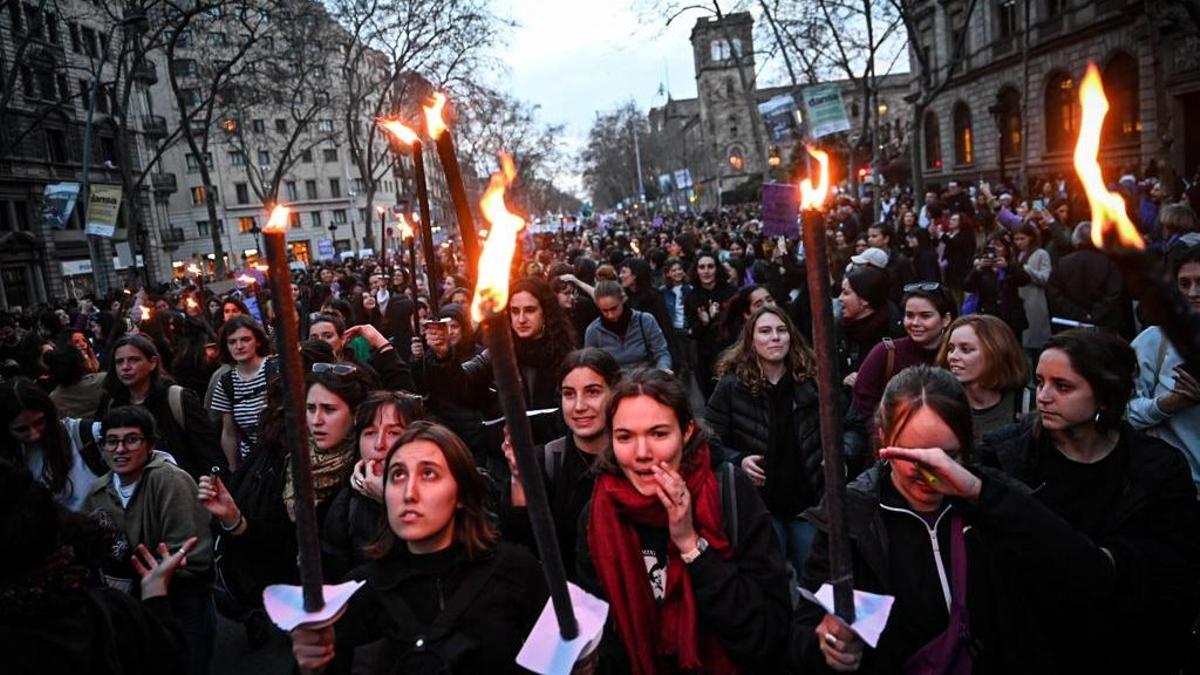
394	569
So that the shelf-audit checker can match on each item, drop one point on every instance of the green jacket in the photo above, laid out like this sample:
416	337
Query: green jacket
164	508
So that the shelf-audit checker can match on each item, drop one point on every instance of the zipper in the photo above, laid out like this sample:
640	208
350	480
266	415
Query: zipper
933	543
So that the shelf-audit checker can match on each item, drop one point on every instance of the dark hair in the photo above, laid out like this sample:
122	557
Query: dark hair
313	351
131	416
939	298
409	407
719	279
886	230
263	346
333	319
594	359
871	284
1030	230
1181	253
643	276
65	364
1108	364
29	520
473	529
17	396
353	387
236	302
609	289
339	306
925	386
112	383
666	390
458	314
921	235
559	335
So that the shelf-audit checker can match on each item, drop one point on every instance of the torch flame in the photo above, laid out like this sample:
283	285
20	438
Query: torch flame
814	198
634	245
145	312
1110	223
434	123
278	220
193	269
400	132
246	279
491	293
403	227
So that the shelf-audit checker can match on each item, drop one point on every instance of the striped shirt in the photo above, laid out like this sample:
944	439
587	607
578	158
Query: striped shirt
249	398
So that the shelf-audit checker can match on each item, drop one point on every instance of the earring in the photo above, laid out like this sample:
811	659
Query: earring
1096	419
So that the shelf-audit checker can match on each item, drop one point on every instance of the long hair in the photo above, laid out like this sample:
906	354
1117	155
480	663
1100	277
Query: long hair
113	384
742	360
559	335
924	386
472	528
20	395
666	390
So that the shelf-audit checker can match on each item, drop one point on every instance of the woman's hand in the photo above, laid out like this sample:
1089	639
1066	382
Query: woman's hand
841	646
752	465
850	379
156	573
516	487
418	348
217	501
677	500
367	479
1001	262
1184	394
372	335
942	473
313	648
438	339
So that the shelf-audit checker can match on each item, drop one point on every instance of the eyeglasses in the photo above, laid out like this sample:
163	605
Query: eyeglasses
132	442
335	368
926	286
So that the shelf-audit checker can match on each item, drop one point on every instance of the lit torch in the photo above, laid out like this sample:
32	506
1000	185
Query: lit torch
1112	232
404	231
408	137
145	310
435	126
816	263
382	238
489	307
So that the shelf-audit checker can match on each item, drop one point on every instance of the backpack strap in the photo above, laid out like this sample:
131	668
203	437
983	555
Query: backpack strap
227	387
890	369
89	445
645	343
175	401
553	454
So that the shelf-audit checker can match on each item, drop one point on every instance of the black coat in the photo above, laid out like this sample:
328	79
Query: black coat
382	624
959	255
1086	286
998	297
744	601
352	523
741	426
1153	535
196	446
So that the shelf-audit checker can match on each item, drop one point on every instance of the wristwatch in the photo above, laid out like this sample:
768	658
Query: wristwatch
690	556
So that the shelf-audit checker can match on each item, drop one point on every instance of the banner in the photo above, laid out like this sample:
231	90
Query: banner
779	118
826	112
325	249
103	206
58	202
780	209
683	179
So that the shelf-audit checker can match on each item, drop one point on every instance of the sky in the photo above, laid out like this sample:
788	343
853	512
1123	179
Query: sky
575	58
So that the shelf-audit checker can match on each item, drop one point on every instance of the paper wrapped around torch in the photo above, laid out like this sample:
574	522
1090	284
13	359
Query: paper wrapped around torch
409	137
812	199
1114	233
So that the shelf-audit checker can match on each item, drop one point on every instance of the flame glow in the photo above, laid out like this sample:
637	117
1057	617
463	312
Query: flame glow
145	312
435	125
193	269
1110	223
491	292
246	279
402	226
400	132
278	220
813	198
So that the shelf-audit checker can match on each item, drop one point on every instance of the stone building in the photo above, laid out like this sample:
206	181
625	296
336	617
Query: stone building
1012	97
722	142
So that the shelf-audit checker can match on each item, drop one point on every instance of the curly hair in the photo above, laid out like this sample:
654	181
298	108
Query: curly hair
559	334
742	360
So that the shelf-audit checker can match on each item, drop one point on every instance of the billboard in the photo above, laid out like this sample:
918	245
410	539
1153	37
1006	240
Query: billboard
826	112
103	206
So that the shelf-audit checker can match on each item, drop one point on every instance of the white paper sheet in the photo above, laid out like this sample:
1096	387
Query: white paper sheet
285	604
546	652
871	611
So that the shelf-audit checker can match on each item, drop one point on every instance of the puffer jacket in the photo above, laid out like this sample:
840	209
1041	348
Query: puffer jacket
741	426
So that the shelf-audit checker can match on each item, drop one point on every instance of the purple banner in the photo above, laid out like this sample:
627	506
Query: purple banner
780	209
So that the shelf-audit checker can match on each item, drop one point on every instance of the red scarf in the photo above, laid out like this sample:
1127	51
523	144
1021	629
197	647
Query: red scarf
662	638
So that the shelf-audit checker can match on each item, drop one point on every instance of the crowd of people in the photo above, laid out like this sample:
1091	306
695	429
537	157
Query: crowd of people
1022	452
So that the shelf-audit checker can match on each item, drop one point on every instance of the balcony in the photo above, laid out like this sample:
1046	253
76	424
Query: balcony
145	72
154	126
171	237
164	184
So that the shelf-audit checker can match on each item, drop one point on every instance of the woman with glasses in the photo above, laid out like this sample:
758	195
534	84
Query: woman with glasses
148	500
704	308
443	593
928	310
352	521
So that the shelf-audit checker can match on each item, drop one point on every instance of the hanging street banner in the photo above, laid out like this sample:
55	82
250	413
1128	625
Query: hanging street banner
683	179
780	209
103	206
826	112
779	118
58	202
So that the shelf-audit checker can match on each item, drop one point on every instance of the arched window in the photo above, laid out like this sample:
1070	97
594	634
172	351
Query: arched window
1122	125
1062	105
737	159
1009	104
964	135
729	87
933	142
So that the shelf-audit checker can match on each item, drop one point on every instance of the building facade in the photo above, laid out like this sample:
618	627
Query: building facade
1010	109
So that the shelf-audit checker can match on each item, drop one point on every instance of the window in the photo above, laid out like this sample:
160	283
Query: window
335	188
294	220
185	38
216	39
306	155
316	218
729	87
33	21
52	34
184	68
1122	125
310	189
247	223
89	42
73	34
359	186
289	191
720	50
1060	108
193	164
47	85
362	216
1009	104
202	228
264	158
102	100
258	126
339	216
237	158
27	85
325	126
330	154
281	126
243	193
191	97
199	128
198	195
15	18
1006	19
1054	8
56	145
933	142
964	135
66	90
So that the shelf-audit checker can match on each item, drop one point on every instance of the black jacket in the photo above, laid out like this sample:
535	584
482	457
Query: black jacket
999	297
196	446
741	425
1153	535
383	623
959	254
352	523
1086	286
744	601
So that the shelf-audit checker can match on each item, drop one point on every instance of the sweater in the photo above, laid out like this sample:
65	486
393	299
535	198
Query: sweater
873	374
1157	361
642	344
